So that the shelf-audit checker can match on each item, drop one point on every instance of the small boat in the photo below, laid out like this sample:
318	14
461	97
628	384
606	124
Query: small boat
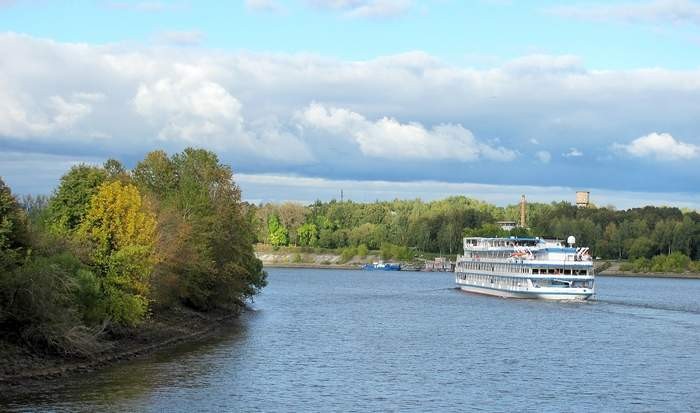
382	266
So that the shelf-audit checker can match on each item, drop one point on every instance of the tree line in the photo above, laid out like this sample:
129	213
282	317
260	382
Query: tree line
111	246
439	226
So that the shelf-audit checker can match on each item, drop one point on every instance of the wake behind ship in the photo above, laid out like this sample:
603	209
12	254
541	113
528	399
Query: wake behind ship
518	267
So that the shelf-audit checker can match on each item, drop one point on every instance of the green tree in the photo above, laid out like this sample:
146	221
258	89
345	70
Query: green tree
72	198
641	247
156	174
277	233
13	232
207	257
308	235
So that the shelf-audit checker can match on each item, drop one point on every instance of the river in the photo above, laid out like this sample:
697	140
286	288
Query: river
332	340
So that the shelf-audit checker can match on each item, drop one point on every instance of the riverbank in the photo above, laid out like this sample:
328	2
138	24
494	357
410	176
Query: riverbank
20	366
612	269
291	257
298	257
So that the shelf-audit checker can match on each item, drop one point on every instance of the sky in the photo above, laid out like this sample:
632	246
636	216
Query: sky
380	98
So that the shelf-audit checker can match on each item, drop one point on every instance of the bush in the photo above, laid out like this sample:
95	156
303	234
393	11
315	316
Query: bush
389	251
362	250
38	306
348	254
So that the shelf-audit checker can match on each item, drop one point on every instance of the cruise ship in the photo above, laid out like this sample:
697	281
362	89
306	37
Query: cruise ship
519	267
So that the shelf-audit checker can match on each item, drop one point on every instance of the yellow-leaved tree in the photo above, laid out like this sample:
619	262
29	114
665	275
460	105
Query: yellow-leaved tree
120	232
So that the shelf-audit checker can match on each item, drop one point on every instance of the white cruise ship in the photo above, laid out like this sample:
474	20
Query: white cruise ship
519	267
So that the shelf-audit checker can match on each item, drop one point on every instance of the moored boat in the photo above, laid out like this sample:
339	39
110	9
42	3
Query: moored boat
382	266
518	267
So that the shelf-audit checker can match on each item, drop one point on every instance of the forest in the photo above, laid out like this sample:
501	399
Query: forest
637	234
111	248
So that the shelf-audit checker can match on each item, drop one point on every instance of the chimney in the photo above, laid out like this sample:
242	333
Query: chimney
523	204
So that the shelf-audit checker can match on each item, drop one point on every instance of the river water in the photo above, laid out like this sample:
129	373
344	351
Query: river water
331	340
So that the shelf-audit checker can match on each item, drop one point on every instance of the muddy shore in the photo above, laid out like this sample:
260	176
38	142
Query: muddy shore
20	366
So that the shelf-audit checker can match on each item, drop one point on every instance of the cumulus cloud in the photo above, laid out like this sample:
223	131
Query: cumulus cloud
660	146
250	107
389	138
673	11
365	8
189	107
23	116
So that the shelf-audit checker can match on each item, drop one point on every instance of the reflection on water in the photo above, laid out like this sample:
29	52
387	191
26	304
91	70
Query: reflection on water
329	340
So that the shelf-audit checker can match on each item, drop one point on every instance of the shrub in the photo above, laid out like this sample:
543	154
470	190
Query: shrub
347	254
38	306
362	250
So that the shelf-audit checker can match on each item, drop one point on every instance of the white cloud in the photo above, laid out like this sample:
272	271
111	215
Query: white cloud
181	38
120	99
388	138
365	8
539	64
264	5
660	146
673	11
143	6
23	116
189	108
572	153
543	156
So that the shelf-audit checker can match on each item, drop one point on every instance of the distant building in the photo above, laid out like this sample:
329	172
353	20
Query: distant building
583	199
507	225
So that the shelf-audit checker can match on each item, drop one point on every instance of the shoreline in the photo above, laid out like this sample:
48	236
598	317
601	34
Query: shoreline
312	266
604	273
22	367
686	276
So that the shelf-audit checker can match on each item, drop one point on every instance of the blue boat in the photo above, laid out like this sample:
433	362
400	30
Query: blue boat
382	266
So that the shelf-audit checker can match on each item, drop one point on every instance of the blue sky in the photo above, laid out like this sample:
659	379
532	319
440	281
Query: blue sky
542	96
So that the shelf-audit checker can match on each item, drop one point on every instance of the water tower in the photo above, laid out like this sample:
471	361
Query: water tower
583	199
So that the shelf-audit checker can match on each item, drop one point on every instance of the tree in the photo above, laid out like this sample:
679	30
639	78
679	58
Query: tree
292	216
72	198
115	170
277	233
156	174
210	262
641	247
13	231
308	235
120	232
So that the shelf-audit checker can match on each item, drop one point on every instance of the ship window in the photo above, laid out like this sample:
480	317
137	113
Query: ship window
567	272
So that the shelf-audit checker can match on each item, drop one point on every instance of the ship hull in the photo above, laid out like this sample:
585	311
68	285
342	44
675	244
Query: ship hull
531	293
